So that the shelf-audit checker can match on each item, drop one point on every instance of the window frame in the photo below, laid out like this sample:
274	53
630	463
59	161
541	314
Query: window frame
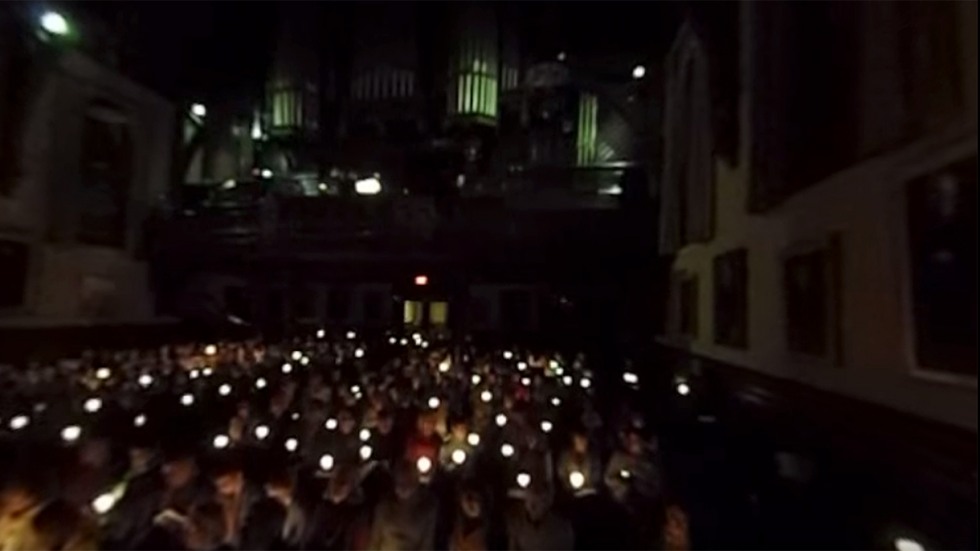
899	224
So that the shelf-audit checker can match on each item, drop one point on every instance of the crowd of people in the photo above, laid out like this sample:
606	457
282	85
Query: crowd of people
327	442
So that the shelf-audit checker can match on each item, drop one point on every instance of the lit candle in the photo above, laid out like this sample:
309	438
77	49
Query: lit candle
71	433
92	405
459	457
261	432
523	480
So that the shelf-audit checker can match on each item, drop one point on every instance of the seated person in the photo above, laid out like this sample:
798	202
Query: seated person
536	526
406	519
579	468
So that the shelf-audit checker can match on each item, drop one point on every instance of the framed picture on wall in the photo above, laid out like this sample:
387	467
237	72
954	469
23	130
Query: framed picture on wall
684	305
731	285
811	299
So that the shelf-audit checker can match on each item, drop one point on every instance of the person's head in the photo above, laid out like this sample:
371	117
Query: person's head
342	484
279	402
537	500
228	476
179	469
206	528
59	525
347	422
386	422
459	429
280	486
140	458
406	481
94	453
580	441
426	425
634	442
471	503
18	495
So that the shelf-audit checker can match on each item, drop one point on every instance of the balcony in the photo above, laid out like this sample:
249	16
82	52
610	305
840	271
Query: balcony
544	213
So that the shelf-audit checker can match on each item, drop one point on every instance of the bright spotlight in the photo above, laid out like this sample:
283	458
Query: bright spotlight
103	373
473	439
546	426
367	186
908	544
364	435
500	419
683	389
92	405
331	424
507	450
365	452
287	368
424	464
639	72
434	403
326	462
139	420
224	389
260	383
221	441
576	479
187	399
630	378
486	396
145	380
199	110
291	444
54	23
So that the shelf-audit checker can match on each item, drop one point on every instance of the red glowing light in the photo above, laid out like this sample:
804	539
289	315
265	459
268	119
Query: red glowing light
421	280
